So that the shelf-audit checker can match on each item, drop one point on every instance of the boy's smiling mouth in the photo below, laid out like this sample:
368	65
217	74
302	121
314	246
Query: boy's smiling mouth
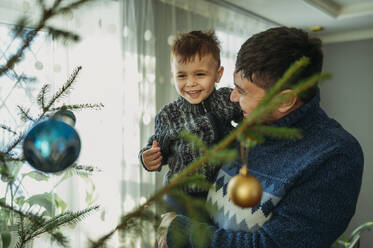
193	93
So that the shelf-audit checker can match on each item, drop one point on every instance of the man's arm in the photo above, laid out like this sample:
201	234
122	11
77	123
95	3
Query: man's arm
313	213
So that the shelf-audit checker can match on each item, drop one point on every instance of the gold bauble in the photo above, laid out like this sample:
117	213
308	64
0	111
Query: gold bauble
244	190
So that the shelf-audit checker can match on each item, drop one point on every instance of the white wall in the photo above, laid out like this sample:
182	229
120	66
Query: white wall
347	97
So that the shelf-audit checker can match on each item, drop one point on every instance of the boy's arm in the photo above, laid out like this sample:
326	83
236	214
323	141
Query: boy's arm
314	213
163	135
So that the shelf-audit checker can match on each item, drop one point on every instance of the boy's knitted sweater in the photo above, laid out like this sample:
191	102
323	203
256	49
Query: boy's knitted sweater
214	113
310	189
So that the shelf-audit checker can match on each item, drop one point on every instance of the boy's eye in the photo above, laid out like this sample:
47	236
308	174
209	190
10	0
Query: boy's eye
181	76
201	74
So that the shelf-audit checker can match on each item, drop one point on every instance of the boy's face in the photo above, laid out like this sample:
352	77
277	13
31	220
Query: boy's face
195	80
246	93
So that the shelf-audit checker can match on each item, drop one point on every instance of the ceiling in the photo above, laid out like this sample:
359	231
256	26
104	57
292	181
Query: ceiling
342	20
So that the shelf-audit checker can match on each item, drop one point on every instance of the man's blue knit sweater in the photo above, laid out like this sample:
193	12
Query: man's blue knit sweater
310	190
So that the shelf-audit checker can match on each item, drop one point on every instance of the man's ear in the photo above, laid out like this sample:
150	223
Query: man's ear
220	73
289	103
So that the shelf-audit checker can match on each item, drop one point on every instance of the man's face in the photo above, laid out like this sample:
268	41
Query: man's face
195	80
247	94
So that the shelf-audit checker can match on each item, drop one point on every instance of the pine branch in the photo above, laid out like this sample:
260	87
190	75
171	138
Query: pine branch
15	142
75	107
62	34
223	156
193	139
25	116
288	76
310	82
29	35
136	227
67	218
42	95
7	128
18	30
277	132
51	226
259	114
78	168
251	136
65	89
32	217
191	181
62	91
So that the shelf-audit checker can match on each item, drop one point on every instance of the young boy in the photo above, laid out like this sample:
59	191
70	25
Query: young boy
195	65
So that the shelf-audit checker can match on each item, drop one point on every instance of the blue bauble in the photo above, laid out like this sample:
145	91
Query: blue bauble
51	146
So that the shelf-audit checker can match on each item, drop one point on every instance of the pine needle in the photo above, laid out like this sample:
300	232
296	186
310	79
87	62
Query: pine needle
96	106
42	96
63	35
65	89
222	157
311	82
24	113
193	139
249	134
277	132
7	128
290	73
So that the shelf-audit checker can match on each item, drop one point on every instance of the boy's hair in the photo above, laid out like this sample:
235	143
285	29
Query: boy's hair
267	55
187	45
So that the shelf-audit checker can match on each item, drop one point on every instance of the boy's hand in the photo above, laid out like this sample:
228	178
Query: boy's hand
152	157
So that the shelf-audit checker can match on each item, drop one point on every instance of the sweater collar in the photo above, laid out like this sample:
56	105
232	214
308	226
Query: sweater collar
197	108
292	118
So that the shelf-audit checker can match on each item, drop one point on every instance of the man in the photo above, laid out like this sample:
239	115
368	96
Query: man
310	185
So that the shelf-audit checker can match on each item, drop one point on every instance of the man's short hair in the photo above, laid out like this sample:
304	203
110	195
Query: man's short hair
187	45
265	57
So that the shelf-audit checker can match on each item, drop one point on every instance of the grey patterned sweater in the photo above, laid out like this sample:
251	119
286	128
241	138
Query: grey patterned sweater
214	113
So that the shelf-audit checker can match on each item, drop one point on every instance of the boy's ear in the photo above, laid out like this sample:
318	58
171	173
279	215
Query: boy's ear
220	73
289	103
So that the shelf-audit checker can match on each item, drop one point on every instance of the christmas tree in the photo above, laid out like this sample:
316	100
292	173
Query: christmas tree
17	212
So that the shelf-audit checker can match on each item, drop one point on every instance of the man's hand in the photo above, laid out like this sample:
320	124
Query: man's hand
167	218
152	157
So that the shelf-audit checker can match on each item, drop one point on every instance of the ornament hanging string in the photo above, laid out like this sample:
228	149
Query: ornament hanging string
244	157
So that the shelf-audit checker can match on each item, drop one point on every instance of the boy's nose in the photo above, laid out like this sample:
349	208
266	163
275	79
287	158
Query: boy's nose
233	97
192	82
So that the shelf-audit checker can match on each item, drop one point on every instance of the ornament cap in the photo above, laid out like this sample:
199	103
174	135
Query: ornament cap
65	116
243	170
